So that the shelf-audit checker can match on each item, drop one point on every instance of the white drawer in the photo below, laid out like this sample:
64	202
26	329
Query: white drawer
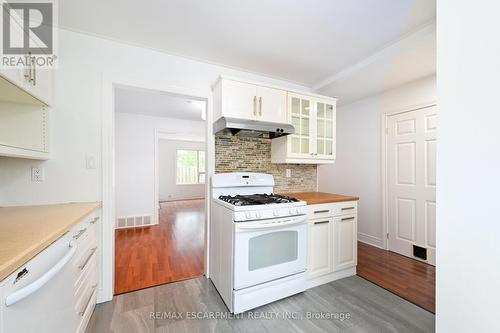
320	211
86	306
326	210
345	207
84	234
83	266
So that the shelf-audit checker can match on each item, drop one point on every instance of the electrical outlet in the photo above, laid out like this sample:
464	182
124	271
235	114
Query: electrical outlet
288	173
36	174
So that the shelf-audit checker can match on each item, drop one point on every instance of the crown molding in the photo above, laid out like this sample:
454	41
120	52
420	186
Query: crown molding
392	48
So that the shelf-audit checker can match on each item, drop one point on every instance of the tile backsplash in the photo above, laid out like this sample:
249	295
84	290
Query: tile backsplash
246	154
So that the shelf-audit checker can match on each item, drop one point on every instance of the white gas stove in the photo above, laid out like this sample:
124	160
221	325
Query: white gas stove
258	241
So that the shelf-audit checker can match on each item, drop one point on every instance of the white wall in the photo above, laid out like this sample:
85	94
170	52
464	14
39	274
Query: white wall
468	167
167	158
357	170
135	160
76	113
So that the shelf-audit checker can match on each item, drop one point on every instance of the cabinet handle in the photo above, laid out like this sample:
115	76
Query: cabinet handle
321	222
321	211
82	312
34	71
347	208
94	220
29	62
80	233
260	106
255	105
92	251
347	218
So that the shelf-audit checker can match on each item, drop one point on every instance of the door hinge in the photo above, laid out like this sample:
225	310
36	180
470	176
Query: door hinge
387	235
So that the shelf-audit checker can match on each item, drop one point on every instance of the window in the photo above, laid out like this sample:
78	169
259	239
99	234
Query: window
190	167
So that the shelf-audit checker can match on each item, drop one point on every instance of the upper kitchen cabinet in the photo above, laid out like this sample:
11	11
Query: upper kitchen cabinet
314	119
25	94
28	83
242	100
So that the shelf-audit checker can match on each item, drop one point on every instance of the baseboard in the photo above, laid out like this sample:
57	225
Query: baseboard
182	198
317	281
370	240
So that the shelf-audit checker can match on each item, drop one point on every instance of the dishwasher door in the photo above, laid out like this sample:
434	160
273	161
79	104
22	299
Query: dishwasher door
39	296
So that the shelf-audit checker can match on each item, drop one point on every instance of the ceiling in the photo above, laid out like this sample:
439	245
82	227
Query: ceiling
410	59
157	104
305	42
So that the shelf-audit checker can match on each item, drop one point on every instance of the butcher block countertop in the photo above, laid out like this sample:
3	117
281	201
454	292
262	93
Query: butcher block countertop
25	231
313	198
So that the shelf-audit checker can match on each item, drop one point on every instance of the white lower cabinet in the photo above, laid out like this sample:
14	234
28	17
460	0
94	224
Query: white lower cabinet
320	255
345	242
332	243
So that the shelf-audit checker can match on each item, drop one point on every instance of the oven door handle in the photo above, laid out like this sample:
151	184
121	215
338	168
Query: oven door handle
243	226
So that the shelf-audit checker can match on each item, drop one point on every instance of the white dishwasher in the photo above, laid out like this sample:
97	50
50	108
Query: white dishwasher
39	296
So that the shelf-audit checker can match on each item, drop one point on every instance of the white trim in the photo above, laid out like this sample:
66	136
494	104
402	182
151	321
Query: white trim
107	234
384	117
166	135
273	86
185	56
391	48
371	240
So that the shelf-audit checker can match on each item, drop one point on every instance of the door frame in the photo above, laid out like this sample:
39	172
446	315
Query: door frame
106	237
384	132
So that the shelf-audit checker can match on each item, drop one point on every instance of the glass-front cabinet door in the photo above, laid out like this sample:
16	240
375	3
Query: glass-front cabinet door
300	112
314	120
325	129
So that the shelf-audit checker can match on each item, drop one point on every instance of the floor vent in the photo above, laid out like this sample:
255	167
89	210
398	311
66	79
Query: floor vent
133	221
419	252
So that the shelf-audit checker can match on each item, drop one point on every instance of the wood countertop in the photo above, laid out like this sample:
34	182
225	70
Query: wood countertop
25	231
313	198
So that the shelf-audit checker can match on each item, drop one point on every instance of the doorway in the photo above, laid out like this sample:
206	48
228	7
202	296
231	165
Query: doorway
411	183
160	222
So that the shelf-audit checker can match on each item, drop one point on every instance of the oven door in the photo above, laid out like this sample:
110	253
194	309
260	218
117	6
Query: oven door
270	249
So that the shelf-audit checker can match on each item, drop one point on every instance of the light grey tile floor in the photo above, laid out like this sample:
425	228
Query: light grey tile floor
353	305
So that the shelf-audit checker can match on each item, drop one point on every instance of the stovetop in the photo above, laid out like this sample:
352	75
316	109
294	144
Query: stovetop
256	199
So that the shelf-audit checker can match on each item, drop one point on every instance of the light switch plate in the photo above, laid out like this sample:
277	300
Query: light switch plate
36	174
288	173
90	162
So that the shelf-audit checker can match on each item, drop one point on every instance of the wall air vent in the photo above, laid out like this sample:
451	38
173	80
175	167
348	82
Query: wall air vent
133	221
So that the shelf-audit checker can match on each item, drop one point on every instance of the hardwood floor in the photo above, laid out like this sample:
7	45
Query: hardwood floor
406	277
170	251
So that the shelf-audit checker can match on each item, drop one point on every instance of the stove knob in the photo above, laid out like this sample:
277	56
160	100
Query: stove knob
248	215
297	211
276	213
291	211
257	215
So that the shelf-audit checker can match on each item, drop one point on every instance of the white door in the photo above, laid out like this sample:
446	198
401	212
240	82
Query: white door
320	254
324	135
411	182
41	86
301	119
239	100
345	240
271	105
